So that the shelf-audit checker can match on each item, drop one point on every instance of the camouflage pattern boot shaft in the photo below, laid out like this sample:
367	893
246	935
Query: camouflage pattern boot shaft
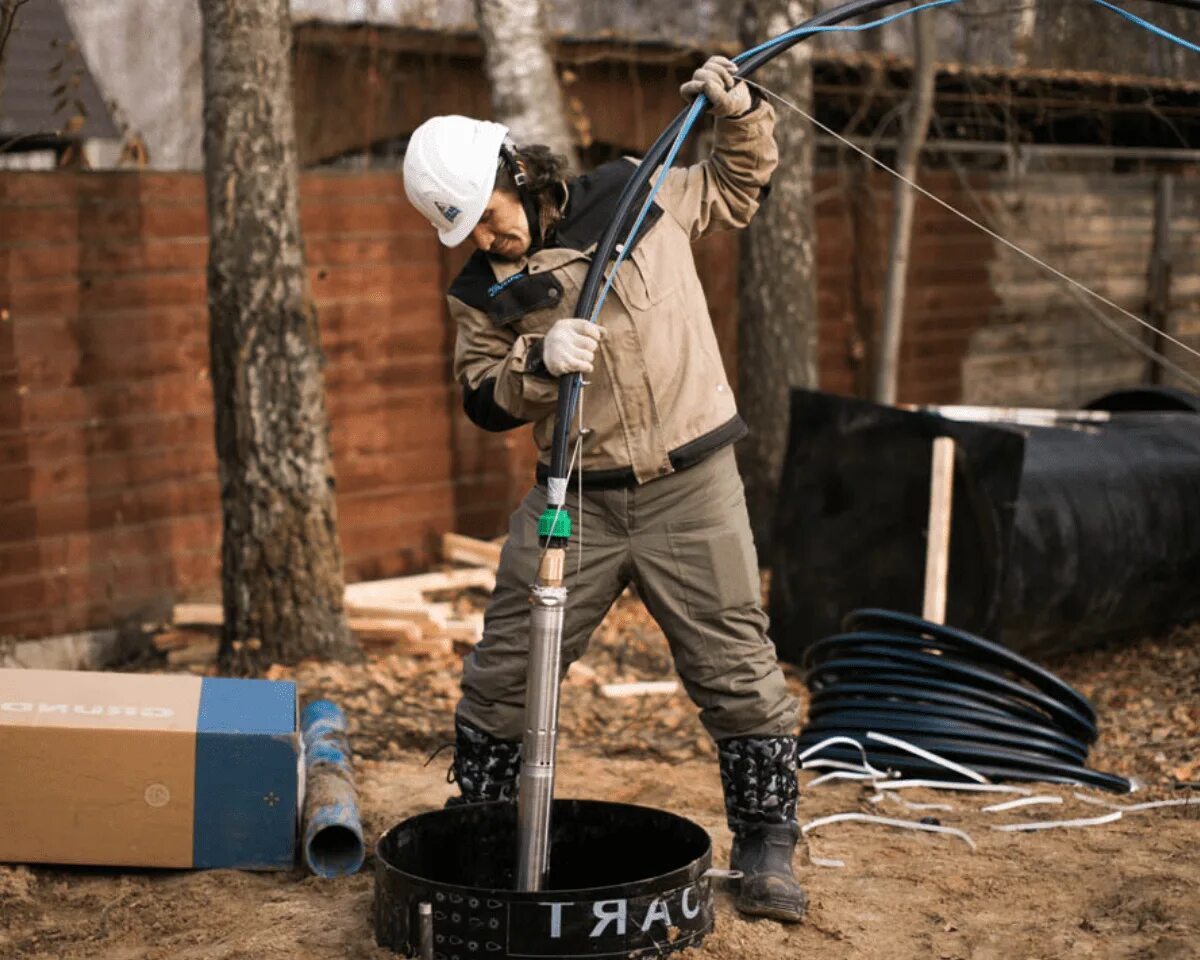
485	768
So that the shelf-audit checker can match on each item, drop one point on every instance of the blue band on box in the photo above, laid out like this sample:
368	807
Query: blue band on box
247	755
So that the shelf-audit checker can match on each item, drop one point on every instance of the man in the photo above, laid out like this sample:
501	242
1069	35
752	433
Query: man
662	504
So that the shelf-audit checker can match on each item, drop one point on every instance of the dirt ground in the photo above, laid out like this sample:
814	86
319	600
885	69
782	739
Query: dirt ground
1122	890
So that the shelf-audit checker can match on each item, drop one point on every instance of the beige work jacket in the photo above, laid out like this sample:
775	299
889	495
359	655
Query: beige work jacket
658	399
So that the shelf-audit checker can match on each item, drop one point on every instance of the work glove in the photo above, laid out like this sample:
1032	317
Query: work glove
570	346
727	95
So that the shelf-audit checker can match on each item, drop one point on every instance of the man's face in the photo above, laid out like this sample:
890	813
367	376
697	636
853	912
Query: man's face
503	230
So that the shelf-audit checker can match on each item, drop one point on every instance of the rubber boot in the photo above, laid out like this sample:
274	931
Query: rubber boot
758	775
484	767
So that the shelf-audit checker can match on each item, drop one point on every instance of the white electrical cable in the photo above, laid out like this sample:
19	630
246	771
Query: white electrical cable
563	499
839	775
1022	802
1134	807
927	755
843	741
835	765
952	785
1056	824
889	822
994	235
909	804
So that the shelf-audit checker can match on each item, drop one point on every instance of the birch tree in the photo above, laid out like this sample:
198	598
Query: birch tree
8	20
916	126
281	572
526	95
777	322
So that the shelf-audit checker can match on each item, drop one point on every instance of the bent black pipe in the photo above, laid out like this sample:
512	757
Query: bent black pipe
951	692
636	189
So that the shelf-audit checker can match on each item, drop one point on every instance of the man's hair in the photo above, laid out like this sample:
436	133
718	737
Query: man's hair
544	170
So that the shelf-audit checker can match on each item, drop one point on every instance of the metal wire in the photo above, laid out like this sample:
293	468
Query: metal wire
1071	281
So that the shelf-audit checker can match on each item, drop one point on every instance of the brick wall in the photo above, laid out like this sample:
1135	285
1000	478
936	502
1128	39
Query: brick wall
982	324
108	493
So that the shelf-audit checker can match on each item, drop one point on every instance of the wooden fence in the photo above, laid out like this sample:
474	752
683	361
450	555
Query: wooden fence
108	489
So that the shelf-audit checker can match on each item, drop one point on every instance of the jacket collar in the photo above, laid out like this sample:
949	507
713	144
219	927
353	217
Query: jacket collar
591	203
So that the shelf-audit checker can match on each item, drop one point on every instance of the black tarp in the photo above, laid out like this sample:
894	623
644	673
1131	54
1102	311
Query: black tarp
1061	536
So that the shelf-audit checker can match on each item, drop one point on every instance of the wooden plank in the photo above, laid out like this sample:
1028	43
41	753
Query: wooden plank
427	616
400	634
381	593
937	548
179	639
468	629
580	674
386	627
198	614
462	549
195	654
644	688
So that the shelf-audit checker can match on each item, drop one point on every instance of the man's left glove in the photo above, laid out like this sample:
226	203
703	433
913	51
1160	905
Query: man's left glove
570	346
716	79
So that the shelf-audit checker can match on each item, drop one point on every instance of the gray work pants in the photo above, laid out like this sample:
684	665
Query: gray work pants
684	540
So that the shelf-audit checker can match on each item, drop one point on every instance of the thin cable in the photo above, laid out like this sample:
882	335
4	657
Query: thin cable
1133	807
953	785
889	822
694	112
701	101
927	755
1056	824
559	508
1023	802
582	431
1147	25
850	28
991	233
1125	336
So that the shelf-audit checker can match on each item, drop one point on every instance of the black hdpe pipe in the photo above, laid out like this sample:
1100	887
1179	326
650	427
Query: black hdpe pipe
634	194
548	594
948	691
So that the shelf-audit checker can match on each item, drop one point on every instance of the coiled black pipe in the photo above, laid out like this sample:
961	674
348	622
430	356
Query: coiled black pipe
950	692
636	189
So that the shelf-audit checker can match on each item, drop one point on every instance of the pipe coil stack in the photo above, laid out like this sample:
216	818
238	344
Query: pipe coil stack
951	693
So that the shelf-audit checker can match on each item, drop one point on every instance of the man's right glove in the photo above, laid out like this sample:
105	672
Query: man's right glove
717	79
570	346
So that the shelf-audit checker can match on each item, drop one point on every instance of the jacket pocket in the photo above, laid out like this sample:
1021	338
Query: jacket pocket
647	277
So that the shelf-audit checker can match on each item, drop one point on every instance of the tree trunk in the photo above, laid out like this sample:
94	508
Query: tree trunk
281	573
916	126
777	323
8	20
526	95
1026	31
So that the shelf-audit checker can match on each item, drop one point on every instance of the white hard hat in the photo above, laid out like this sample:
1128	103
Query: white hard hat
450	170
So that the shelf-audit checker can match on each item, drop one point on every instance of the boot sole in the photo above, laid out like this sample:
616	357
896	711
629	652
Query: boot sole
781	914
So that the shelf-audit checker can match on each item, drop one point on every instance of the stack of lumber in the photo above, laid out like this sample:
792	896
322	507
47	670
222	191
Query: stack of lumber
418	615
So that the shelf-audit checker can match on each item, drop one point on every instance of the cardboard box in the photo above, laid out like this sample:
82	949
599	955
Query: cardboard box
146	770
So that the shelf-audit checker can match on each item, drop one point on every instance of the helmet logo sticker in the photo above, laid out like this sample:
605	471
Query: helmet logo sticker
449	211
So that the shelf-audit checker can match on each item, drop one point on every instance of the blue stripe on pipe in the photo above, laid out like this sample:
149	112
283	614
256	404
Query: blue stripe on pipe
1152	27
247	756
701	101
